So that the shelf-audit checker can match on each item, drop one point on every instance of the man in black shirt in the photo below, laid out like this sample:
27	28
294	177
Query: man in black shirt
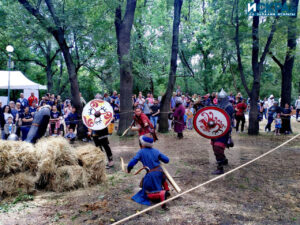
154	109
27	119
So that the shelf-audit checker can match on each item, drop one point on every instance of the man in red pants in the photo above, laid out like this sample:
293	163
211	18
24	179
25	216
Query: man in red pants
154	185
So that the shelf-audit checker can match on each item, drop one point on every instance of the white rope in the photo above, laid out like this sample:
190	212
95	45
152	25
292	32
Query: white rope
200	185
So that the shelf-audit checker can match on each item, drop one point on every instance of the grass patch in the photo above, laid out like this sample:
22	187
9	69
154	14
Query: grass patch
22	197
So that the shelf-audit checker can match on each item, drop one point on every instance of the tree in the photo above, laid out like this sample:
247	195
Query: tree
257	66
123	31
165	102
287	67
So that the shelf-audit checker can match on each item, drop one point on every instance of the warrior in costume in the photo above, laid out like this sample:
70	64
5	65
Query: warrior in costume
39	124
154	185
219	144
142	124
100	138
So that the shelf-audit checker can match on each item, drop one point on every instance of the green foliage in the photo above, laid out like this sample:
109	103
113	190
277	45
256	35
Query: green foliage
206	39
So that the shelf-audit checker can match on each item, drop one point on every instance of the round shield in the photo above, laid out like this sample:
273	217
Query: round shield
211	122
97	114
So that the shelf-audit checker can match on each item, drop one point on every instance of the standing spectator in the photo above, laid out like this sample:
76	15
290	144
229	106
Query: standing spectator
266	106
43	100
72	119
23	101
19	108
297	107
154	113
140	101
271	101
13	111
240	115
27	119
260	110
115	105
179	119
106	98
215	100
32	98
178	91
82	100
150	98
272	111
183	101
286	119
231	97
147	108
33	108
9	127
173	101
67	108
18	120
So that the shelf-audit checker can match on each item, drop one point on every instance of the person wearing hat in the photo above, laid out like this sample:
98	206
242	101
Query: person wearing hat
154	185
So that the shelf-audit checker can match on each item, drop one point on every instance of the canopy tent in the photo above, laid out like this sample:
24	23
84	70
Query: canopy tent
18	81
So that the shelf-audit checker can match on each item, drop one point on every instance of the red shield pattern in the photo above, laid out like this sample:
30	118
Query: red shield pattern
211	122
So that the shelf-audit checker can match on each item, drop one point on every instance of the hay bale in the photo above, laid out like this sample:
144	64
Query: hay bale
16	183
52	153
8	161
26	155
93	160
69	178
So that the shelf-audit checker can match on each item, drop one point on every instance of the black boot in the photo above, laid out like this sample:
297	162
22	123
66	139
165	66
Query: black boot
219	170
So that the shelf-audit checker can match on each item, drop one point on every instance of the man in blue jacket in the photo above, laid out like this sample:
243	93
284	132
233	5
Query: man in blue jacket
154	185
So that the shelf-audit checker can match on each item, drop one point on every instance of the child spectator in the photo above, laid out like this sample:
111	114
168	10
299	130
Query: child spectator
72	119
278	123
54	119
71	136
189	112
9	127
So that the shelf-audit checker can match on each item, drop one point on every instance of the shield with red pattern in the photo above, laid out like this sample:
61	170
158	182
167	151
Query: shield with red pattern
97	114
212	122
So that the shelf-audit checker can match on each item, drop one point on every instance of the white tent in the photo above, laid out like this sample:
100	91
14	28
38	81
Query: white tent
18	81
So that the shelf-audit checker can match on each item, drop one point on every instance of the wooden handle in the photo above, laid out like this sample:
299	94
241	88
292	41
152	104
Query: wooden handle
171	180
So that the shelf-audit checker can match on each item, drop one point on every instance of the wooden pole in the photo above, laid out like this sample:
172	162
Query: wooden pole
171	180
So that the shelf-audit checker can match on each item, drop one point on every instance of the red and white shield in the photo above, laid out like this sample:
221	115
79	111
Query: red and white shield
97	114
211	122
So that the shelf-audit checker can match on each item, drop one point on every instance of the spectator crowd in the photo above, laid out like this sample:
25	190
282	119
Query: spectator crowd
16	117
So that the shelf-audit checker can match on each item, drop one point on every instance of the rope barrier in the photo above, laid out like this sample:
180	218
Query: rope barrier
200	185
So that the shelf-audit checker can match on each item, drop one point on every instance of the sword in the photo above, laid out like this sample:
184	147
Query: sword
125	132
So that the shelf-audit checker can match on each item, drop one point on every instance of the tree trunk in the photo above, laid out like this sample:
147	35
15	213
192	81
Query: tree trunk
123	31
49	74
257	66
165	102
58	33
287	69
253	120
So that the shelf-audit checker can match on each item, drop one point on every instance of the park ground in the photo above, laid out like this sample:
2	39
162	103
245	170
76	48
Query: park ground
265	192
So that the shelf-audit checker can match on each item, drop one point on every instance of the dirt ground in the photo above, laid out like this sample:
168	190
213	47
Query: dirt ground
265	192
